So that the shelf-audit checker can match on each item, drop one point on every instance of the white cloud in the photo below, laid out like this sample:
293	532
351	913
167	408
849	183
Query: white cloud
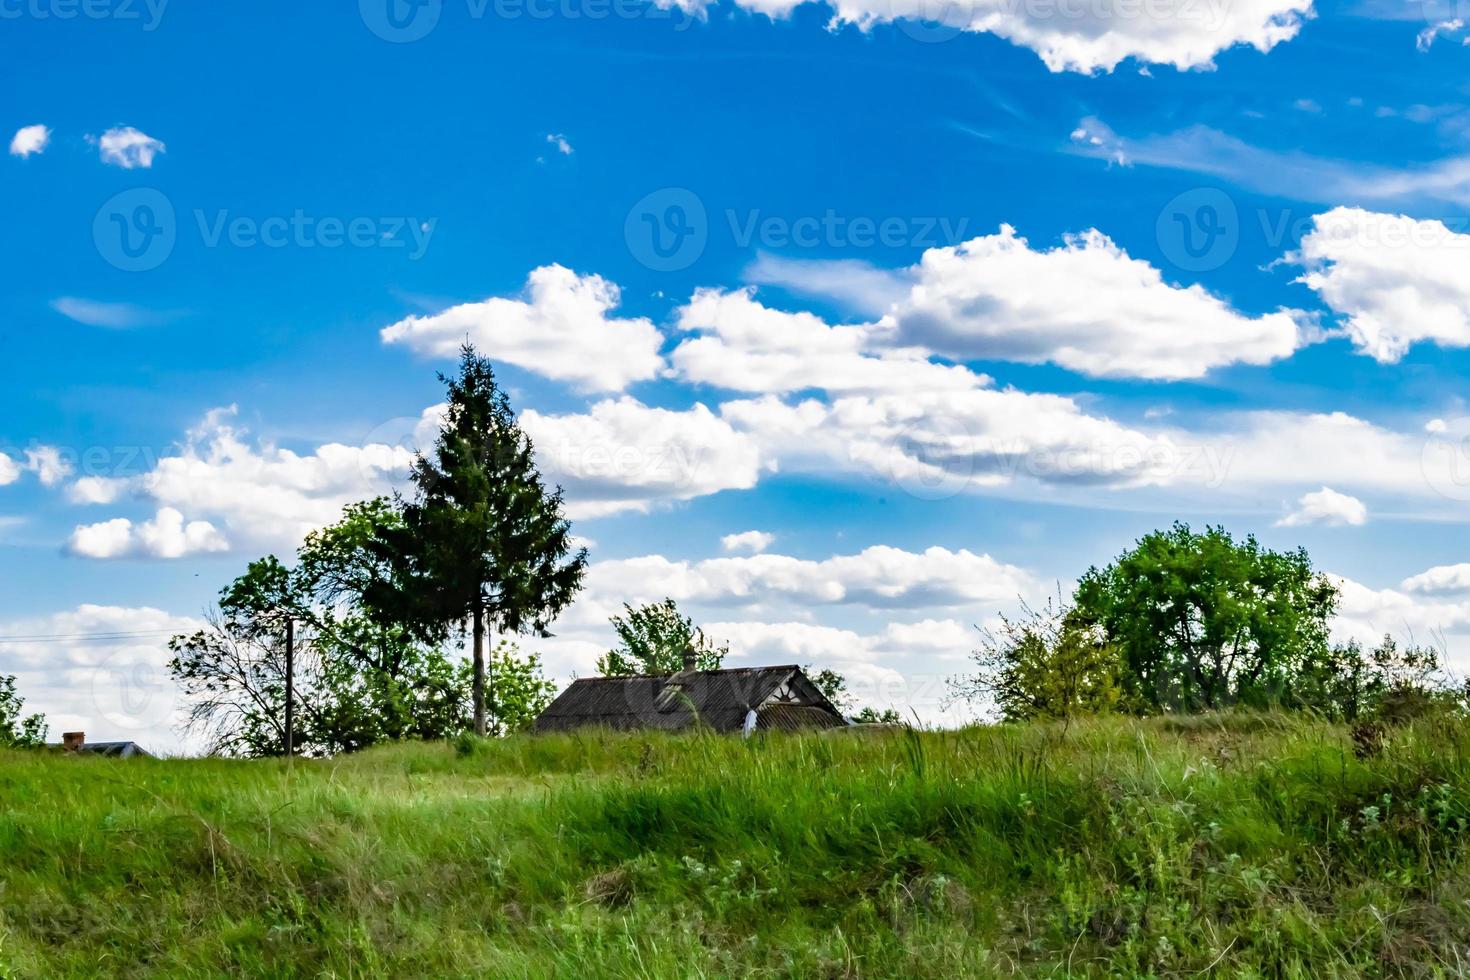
1085	305
1427	37
1366	614
561	330
878	577
1079	37
10	470
1202	150
1326	506
622	455
113	316
1396	280
48	464
261	493
752	541
126	147
29	141
745	346
166	536
1440	580
100	670
560	142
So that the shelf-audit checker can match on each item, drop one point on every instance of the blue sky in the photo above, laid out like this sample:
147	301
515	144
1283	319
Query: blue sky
1016	281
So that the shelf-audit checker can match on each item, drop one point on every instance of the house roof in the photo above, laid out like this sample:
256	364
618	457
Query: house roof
116	750
718	698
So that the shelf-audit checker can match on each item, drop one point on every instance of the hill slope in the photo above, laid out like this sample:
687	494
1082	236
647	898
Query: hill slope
1246	845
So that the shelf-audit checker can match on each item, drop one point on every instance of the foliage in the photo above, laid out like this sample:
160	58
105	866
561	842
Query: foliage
1045	664
357	681
483	540
519	691
17	731
1253	846
1388	682
1202	621
652	639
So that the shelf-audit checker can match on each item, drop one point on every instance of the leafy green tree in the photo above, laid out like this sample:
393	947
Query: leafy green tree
484	540
1043	664
16	731
1203	621
520	692
1387	681
358	680
652	640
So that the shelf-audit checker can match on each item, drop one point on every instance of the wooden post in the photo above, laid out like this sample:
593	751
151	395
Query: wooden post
290	685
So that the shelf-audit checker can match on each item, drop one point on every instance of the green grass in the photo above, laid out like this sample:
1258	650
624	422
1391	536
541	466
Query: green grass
1236	846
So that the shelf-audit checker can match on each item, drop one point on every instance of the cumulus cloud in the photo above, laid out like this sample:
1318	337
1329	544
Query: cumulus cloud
1397	281
878	577
622	455
166	536
10	470
1426	38
1085	305
1326	506
30	141
1082	37
1366	614
128	148
743	345
260	492
752	541
560	142
561	330
1440	580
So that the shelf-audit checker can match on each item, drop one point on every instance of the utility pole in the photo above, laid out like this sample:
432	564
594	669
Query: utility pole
290	685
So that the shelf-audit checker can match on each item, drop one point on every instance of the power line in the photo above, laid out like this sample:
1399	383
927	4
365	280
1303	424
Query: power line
57	637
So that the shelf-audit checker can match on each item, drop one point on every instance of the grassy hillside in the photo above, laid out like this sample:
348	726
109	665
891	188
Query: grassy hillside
1242	846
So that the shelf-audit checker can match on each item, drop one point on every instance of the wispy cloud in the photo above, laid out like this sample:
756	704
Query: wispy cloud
1289	173
113	316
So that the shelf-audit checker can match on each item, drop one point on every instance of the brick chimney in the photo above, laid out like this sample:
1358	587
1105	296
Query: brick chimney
73	741
689	662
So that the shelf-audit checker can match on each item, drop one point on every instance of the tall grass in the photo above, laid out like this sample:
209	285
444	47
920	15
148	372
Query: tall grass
1237	845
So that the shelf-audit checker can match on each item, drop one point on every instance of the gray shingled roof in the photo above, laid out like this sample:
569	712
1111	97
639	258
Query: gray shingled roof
719	699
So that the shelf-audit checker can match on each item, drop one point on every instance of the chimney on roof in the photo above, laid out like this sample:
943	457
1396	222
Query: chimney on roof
689	662
73	741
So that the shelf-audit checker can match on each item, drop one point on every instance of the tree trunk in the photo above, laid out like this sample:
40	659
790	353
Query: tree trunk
479	643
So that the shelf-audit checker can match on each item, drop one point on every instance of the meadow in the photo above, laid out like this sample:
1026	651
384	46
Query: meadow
1242	845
